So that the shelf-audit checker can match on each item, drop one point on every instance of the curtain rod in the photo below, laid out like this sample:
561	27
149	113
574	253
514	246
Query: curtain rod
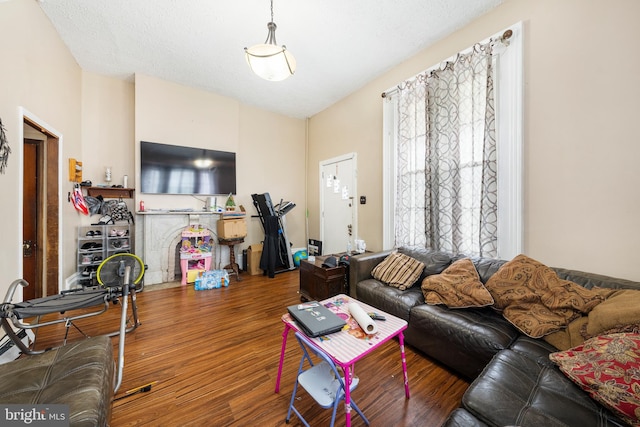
505	36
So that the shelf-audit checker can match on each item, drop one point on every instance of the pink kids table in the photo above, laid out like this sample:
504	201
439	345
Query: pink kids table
350	344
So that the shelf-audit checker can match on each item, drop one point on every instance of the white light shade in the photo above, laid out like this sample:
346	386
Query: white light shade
203	163
271	62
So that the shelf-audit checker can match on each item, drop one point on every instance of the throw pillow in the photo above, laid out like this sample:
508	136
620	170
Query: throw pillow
618	312
398	270
458	286
607	367
535	300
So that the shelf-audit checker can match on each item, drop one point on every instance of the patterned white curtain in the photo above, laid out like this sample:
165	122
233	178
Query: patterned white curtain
446	189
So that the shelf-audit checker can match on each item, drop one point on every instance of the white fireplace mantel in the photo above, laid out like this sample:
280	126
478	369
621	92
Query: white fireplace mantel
161	231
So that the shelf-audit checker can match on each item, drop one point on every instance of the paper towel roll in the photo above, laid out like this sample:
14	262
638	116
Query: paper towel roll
364	320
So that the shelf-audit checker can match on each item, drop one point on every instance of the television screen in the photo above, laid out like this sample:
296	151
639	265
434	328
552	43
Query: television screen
173	169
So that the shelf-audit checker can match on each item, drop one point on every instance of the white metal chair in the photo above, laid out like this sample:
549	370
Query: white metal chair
322	381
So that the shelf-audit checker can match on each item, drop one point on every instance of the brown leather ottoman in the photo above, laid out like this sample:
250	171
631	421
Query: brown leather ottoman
80	375
524	388
462	418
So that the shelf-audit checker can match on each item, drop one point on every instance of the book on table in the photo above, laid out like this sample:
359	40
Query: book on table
315	319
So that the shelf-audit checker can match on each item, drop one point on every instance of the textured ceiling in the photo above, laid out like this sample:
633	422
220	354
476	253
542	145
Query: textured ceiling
339	45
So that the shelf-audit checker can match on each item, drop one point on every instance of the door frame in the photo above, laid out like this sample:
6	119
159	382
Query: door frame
36	140
52	253
354	205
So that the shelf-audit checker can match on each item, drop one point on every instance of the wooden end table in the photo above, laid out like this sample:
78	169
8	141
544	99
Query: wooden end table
233	265
318	282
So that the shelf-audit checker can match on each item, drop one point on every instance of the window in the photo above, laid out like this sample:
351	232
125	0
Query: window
423	146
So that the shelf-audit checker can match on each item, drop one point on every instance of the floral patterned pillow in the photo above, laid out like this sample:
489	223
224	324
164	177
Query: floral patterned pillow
608	368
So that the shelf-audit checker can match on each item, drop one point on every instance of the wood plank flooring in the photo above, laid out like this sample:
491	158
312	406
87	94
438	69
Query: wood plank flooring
214	355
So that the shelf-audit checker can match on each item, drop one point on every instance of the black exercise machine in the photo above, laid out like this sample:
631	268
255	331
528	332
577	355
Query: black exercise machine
276	250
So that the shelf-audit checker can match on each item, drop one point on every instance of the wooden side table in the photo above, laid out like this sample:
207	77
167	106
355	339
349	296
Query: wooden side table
318	282
233	266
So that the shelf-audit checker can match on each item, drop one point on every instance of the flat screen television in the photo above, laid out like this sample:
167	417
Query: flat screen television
174	169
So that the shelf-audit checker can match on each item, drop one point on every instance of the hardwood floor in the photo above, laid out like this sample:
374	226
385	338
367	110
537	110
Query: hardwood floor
214	357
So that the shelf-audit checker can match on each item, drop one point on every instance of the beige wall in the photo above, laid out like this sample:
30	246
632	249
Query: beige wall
581	91
271	160
107	129
38	74
270	148
170	113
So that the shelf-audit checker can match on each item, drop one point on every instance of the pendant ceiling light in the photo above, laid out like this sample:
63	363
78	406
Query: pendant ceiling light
268	60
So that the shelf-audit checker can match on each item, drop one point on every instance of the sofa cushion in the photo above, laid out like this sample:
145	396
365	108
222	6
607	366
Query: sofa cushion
608	368
460	417
464	340
79	374
434	262
398	270
487	267
535	299
389	299
534	349
591	280
458	286
519	388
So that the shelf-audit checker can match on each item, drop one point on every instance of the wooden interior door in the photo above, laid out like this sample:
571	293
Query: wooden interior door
31	246
41	206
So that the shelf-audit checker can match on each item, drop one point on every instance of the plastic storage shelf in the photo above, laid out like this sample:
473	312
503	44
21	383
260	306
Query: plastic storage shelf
96	243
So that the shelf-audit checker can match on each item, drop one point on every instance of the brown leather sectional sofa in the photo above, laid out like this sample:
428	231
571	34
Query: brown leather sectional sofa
513	381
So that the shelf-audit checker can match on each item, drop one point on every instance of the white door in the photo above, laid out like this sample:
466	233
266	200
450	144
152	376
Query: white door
338	226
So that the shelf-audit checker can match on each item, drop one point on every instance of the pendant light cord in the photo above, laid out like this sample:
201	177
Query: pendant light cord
271	10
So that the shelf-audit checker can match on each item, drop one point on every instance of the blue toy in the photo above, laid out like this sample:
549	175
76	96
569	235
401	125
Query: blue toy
301	254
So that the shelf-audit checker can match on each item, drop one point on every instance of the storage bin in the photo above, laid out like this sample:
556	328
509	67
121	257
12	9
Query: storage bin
254	253
232	228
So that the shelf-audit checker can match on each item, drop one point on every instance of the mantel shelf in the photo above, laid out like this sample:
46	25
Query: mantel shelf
110	192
